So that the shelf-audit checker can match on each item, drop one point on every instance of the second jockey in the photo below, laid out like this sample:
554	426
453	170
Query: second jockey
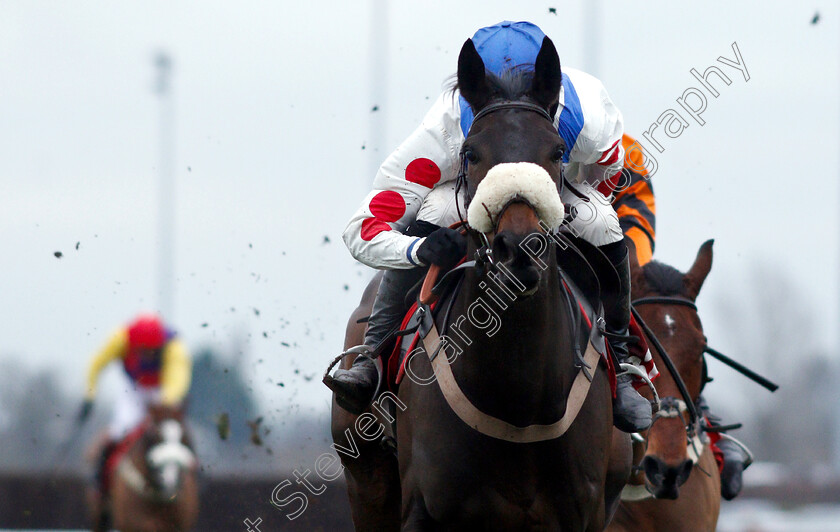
160	370
403	224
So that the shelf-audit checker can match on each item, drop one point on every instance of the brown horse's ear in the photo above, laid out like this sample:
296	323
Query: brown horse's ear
548	77
472	80
699	270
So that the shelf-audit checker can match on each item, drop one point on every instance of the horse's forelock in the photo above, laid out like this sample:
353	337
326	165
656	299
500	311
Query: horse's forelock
663	279
511	84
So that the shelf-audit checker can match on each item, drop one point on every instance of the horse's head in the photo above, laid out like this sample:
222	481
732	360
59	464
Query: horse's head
167	454
512	160
665	299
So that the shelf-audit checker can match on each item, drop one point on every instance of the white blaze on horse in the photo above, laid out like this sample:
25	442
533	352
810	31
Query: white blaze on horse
155	484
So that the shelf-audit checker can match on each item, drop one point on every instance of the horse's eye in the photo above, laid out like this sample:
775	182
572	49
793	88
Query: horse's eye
470	156
557	156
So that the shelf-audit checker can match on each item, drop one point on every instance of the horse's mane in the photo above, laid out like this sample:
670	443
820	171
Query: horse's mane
512	84
663	279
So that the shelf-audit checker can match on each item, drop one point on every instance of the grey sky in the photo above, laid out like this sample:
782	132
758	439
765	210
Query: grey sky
273	108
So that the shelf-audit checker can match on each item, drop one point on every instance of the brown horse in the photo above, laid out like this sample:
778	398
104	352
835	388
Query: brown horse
669	458
155	487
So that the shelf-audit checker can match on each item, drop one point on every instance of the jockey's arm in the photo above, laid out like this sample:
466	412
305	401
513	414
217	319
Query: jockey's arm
115	348
636	208
598	153
175	373
429	156
634	201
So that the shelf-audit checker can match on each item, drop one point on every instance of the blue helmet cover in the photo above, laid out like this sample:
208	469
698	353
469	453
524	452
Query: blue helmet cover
508	44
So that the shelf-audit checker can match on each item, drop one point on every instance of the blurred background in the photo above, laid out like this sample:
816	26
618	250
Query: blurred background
200	159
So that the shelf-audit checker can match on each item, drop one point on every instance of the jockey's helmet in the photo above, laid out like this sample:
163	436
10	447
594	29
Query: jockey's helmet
147	331
508	44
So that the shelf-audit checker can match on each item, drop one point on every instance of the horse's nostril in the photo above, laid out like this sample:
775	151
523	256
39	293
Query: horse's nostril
502	247
684	471
653	470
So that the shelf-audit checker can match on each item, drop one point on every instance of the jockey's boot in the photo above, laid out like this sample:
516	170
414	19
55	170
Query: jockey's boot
101	482
356	388
736	458
102	505
631	411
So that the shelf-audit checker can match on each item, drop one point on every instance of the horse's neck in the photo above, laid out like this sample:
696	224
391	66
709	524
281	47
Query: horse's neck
526	360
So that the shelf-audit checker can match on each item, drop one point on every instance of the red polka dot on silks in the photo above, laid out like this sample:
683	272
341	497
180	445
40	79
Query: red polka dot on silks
423	172
372	227
387	206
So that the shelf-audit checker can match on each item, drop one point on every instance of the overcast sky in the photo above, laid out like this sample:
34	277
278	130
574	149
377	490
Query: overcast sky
274	150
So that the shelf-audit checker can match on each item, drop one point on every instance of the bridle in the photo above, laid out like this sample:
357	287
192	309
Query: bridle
484	254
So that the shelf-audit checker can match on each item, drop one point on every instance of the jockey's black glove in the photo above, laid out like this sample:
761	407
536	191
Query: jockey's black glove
84	412
445	248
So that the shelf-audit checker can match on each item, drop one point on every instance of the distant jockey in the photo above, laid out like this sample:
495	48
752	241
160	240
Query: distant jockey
159	369
402	225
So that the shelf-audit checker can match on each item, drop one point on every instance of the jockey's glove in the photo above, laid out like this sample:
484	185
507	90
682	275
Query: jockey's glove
445	248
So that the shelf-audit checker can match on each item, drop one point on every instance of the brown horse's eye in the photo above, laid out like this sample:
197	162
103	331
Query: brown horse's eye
557	156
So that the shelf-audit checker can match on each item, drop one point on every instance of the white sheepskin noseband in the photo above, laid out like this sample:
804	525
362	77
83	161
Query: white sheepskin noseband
507	181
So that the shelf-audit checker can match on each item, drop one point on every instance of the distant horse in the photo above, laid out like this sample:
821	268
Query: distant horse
675	462
154	487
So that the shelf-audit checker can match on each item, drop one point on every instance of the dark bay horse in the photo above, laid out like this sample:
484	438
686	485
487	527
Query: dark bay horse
686	486
155	487
515	368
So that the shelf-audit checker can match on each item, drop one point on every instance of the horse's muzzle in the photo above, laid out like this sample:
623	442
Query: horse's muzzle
509	250
664	480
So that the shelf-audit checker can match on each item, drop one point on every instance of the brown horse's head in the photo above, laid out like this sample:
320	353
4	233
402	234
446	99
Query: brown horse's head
514	143
678	329
166	450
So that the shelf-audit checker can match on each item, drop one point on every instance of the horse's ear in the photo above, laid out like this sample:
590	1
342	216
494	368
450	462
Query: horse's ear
472	80
699	270
545	89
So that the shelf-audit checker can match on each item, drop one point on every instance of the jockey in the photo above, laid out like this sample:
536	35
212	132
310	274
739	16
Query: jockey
159	368
635	205
403	224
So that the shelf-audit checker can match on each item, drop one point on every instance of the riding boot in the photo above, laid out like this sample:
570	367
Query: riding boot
356	388
631	411
99	475
736	456
103	514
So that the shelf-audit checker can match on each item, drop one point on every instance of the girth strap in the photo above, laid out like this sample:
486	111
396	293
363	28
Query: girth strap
495	427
